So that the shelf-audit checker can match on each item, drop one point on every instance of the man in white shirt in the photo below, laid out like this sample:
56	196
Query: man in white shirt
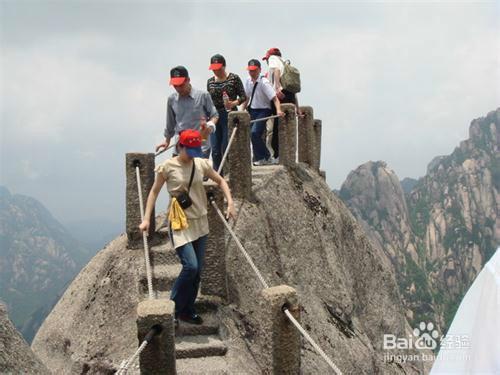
260	94
276	68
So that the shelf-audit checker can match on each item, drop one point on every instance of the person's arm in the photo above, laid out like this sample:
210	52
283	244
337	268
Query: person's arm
153	195
169	131
217	178
277	103
242	96
211	111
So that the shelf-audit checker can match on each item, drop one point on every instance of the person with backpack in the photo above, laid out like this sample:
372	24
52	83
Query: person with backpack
188	108
261	94
183	175
227	92
286	82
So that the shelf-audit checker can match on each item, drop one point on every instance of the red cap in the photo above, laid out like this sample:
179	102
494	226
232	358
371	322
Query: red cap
190	138
270	52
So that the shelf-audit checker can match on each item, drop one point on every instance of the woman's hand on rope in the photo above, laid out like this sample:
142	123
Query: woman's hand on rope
144	226
231	211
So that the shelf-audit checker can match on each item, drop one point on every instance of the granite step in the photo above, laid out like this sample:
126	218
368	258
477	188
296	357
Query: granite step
210	326
205	365
203	304
163	254
199	346
164	276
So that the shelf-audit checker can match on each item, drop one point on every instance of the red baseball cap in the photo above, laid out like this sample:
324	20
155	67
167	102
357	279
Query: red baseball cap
217	62
178	75
271	52
191	140
253	64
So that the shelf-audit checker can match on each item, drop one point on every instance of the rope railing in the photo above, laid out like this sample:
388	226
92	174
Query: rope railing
165	149
144	234
147	339
265	285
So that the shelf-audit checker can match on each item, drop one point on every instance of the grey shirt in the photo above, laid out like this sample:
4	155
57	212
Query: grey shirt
185	112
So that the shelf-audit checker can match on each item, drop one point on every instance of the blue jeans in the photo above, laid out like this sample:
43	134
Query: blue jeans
187	284
219	139
259	148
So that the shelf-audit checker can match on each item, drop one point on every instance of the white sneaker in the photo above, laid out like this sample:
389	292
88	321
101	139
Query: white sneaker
260	162
272	160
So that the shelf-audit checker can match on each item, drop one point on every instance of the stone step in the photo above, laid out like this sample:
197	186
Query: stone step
210	326
203	304
163	254
204	365
164	276
199	346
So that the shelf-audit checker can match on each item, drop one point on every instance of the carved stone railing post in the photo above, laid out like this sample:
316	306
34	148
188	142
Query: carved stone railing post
306	136
146	164
316	162
239	156
159	355
287	132
213	279
281	340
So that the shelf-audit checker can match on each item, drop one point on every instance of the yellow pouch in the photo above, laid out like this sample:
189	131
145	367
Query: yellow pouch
176	216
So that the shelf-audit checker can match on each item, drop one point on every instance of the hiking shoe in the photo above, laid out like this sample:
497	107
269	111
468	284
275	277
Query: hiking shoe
193	319
260	162
273	161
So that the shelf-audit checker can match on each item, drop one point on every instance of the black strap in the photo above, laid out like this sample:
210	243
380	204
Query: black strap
191	178
253	93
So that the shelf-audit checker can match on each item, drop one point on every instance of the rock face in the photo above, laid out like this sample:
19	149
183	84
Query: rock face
443	230
16	356
298	233
37	260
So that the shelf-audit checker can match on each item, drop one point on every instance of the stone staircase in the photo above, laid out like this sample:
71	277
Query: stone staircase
197	347
261	173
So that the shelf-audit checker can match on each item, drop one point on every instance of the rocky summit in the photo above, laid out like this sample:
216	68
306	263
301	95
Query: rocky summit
298	233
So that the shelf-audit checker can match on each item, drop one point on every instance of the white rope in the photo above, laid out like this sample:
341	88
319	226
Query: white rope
144	236
125	364
312	342
261	278
240	246
264	118
227	150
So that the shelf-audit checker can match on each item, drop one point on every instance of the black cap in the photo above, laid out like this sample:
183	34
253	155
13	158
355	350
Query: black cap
253	64
178	75
216	62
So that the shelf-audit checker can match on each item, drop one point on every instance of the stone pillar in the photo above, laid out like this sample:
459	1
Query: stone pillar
239	157
159	355
317	145
146	164
280	338
306	136
213	277
287	132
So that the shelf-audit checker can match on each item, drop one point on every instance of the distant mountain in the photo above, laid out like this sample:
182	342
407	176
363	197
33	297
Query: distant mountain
439	230
38	259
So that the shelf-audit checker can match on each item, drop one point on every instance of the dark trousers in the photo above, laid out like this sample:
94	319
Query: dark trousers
219	139
187	284
260	151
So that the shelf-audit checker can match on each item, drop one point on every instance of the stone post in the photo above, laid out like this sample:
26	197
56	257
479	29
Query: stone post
239	157
159	355
287	132
146	164
306	136
280	338
213	277
316	162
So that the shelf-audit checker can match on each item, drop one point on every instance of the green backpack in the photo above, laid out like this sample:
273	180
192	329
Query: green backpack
290	78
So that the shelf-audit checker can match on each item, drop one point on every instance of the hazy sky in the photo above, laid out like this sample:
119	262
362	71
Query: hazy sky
82	83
